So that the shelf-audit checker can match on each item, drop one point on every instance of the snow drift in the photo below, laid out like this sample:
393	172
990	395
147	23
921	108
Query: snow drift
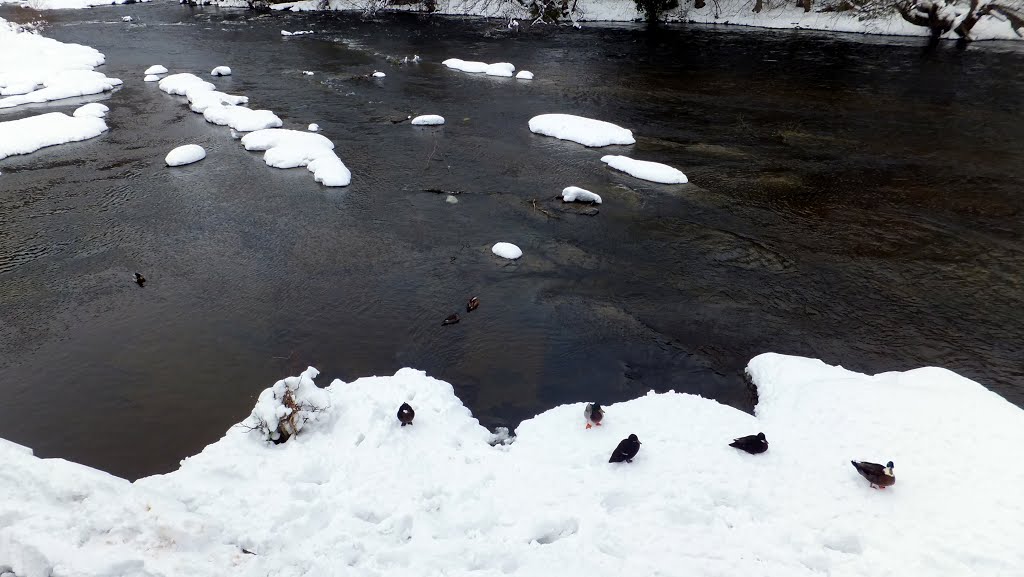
30	134
645	170
356	494
586	131
294	148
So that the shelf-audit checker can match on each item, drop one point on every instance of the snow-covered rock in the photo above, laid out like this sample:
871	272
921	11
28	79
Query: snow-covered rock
576	194
126	19
241	118
307	72
507	250
156	69
354	493
94	109
379	74
285	408
296	33
313	127
586	131
29	134
524	75
293	148
151	78
221	71
497	69
428	120
186	154
183	83
645	170
200	100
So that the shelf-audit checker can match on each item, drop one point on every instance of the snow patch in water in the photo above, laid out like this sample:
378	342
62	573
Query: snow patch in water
27	135
586	131
186	154
645	170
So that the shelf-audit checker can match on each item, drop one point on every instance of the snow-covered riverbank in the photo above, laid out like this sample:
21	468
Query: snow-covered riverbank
356	494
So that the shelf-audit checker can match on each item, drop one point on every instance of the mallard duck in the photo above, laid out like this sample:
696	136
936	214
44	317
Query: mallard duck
593	413
752	444
139	279
406	414
879	476
472	304
627	449
451	320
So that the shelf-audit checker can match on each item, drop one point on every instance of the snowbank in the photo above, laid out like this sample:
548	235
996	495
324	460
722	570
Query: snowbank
241	118
428	120
200	100
30	134
356	494
645	170
94	109
71	4
293	148
186	154
497	69
507	250
156	69
524	75
576	194
34	69
221	71
586	131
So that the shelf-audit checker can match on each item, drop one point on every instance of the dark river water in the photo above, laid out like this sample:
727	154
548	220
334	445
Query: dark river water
853	199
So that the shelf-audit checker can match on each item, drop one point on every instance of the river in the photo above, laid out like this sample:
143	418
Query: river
855	199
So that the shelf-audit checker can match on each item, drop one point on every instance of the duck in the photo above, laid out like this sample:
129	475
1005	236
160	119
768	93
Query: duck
450	320
472	304
406	414
139	279
593	413
627	449
752	444
879	476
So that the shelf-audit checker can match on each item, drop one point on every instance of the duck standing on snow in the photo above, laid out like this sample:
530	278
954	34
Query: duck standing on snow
627	449
752	444
593	413
139	279
406	414
879	476
472	304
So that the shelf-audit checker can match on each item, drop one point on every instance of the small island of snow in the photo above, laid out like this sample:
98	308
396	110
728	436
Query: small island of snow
313	127
497	69
94	109
507	250
151	78
27	135
379	75
221	71
428	120
156	69
645	170
524	75
586	131
293	148
186	154
576	194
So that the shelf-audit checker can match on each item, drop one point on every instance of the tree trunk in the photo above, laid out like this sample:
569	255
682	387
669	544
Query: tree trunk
807	5
758	6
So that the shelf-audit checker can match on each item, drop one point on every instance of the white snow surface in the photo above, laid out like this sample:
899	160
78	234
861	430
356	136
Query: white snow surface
156	69
379	74
186	154
313	127
645	170
292	148
428	120
356	494
497	69
586	131
241	118
29	134
183	83
94	109
296	33
200	100
507	250
576	194
221	71
67	4
524	75
151	78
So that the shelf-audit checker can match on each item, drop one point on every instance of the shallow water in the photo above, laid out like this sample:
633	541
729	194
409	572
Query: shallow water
853	199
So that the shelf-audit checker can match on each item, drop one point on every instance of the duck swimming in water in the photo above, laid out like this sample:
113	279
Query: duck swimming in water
451	320
752	444
879	476
593	413
472	304
139	279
